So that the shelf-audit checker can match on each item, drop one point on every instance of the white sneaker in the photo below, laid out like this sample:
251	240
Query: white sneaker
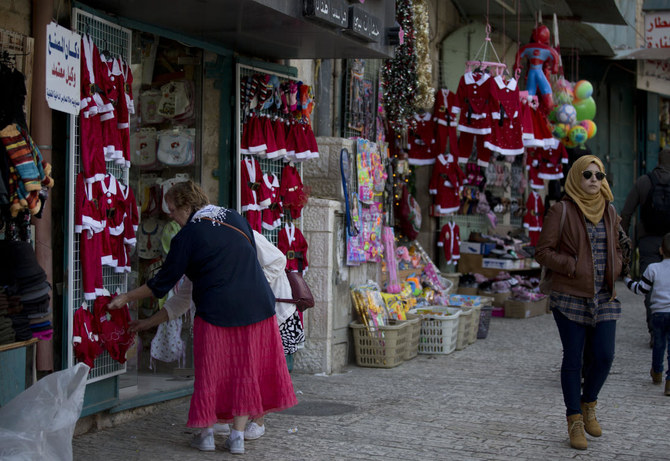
204	441
253	431
221	429
235	446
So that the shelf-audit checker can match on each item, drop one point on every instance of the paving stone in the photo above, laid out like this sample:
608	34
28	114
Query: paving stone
497	399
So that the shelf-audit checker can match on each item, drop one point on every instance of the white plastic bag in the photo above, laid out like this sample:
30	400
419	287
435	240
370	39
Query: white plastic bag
39	422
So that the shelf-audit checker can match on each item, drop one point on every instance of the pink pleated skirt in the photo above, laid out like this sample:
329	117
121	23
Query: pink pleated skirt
238	371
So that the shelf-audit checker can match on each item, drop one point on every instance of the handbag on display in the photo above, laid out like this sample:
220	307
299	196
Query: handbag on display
176	146
144	148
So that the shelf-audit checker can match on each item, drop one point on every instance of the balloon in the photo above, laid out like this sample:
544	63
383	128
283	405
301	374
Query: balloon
561	130
552	115
566	113
586	109
590	127
583	89
578	134
568	143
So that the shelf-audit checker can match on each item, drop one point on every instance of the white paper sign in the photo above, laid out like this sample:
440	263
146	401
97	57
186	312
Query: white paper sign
657	29
63	68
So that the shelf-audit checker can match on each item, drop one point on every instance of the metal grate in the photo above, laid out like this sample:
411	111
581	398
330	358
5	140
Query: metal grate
267	165
116	40
360	89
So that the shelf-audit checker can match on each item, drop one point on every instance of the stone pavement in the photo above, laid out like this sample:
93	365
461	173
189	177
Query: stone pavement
498	399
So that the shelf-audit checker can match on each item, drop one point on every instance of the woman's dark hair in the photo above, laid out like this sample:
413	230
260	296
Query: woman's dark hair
187	194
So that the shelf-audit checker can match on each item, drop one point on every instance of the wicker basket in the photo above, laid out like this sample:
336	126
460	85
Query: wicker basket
439	332
380	347
464	326
413	335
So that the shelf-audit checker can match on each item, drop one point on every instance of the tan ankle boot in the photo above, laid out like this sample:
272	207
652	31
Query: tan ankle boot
656	378
576	432
667	387
591	424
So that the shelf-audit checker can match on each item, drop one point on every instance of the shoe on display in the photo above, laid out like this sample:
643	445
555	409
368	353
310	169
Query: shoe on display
253	431
221	429
236	446
204	441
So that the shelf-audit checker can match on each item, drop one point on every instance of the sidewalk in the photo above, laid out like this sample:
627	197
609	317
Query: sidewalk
498	399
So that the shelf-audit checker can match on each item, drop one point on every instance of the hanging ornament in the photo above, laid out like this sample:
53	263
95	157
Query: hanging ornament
425	93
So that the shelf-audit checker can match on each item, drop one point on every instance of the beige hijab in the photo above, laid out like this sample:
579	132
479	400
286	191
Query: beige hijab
592	205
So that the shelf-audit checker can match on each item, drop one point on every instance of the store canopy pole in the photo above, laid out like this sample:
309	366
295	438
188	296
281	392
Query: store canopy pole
40	129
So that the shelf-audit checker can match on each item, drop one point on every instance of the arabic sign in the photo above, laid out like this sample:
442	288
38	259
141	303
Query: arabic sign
363	24
657	29
62	69
330	12
654	75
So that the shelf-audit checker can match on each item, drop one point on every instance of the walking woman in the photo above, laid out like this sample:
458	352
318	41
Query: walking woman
240	369
581	248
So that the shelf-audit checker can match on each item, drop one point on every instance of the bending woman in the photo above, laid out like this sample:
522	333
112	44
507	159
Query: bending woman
585	259
240	369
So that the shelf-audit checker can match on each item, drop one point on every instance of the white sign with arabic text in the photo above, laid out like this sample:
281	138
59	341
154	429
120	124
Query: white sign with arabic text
63	69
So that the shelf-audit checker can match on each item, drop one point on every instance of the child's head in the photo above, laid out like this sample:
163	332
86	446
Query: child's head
665	246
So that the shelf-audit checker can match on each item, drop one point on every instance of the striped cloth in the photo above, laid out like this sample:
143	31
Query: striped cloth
589	311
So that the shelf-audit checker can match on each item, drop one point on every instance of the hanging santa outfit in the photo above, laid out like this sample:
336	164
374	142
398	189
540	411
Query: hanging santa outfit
450	241
505	137
255	196
122	113
91	104
111	138
534	217
533	158
445	123
445	185
273	214
112	328
472	105
421	140
552	161
90	223
291	191
84	339
292	243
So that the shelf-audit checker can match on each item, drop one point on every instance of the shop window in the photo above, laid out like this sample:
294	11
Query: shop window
361	99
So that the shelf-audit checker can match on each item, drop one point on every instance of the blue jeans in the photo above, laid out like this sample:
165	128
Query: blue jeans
600	343
660	330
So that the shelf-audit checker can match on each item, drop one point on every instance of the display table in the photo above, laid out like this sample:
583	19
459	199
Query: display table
13	368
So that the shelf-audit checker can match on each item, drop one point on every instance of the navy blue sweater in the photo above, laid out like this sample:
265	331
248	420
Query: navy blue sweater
229	287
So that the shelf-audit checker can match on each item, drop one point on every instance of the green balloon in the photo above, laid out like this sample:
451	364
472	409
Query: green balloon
586	109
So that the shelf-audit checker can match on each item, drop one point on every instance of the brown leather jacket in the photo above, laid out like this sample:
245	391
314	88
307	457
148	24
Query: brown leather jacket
568	253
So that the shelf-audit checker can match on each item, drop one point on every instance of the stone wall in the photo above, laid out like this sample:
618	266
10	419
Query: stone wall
328	346
16	16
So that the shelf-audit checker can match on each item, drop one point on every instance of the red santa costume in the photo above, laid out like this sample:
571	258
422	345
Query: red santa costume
472	105
122	114
112	328
92	149
445	123
421	140
291	190
254	194
445	185
292	243
111	138
551	162
533	157
84	339
505	137
450	241
90	222
534	217
273	214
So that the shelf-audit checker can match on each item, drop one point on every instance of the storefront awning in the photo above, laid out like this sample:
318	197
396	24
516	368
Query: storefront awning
573	16
267	29
651	54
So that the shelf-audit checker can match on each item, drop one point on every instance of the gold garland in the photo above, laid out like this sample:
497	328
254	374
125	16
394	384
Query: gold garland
425	97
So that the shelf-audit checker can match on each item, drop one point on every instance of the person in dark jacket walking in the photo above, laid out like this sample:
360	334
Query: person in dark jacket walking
648	239
585	260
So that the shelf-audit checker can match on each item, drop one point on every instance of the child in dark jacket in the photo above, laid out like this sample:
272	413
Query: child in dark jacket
656	280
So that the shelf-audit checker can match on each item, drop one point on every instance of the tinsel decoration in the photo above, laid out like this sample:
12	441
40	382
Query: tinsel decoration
399	73
425	93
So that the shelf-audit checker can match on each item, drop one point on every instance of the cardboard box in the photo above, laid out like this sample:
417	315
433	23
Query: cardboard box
498	298
504	264
474	248
467	291
525	309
